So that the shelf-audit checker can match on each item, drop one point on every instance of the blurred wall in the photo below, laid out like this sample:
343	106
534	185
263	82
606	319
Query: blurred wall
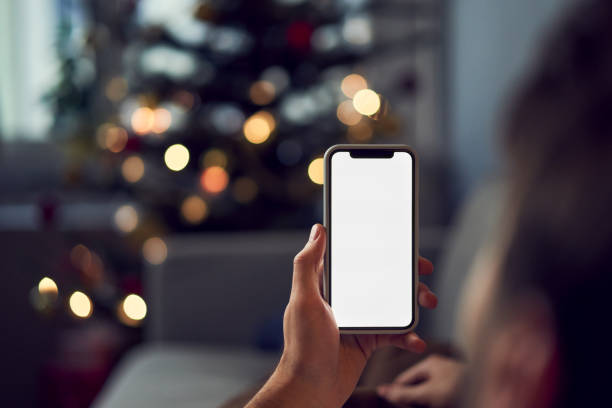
490	43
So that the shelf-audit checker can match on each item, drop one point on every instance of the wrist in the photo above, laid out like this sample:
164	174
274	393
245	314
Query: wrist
285	390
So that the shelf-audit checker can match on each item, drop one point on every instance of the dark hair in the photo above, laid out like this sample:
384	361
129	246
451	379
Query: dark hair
559	140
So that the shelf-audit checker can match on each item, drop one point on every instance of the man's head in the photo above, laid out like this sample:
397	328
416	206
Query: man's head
543	343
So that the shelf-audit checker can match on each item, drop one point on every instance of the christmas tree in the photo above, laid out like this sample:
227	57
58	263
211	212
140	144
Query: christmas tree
210	115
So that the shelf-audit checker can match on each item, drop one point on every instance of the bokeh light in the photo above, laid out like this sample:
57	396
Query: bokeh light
80	257
162	119
262	92
176	157
347	114
360	133
132	169
47	286
214	157
80	305
134	307
353	83
244	190
143	120
315	171
214	179
366	102
115	138
194	209
116	89
126	218
258	127
155	251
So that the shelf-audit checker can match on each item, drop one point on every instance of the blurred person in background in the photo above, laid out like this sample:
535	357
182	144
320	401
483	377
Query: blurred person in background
533	313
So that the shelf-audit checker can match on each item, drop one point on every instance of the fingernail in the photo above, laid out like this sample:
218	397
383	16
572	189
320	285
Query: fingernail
432	299
381	389
417	345
314	232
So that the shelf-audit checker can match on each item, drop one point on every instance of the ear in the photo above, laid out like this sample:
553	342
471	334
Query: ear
521	363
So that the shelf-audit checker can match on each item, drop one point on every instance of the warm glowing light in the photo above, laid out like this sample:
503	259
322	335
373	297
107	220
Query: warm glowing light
115	138
194	209
185	99
134	307
315	170
132	169
155	250
176	157
347	114
80	305
214	179
47	286
80	257
126	218
244	190
353	83
366	102
258	127
360	133
143	120
215	157
262	92
116	89
161	120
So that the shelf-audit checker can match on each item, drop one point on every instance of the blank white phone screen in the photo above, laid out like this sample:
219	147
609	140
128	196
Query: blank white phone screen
371	240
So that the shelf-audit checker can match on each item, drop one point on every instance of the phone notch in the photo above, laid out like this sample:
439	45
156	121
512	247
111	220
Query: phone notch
372	154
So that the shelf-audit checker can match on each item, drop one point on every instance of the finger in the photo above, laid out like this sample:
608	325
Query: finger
426	297
402	394
305	263
425	266
415	374
411	341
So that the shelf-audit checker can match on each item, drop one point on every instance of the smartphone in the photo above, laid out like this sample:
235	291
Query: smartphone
372	247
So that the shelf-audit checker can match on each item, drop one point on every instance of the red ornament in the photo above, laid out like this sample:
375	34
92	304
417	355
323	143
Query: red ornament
298	35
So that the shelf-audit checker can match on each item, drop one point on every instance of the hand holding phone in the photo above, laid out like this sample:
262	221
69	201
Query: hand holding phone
320	366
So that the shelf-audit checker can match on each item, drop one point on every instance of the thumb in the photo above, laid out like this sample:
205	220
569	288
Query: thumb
306	262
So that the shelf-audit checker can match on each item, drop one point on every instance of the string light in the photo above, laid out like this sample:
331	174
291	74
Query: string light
126	218
258	127
194	209
315	170
131	310
214	179
162	119
115	138
155	251
47	286
366	102
80	257
134	307
360	133
80	305
244	190
262	92
347	114
116	89
353	83
214	157
132	169
176	157
143	120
